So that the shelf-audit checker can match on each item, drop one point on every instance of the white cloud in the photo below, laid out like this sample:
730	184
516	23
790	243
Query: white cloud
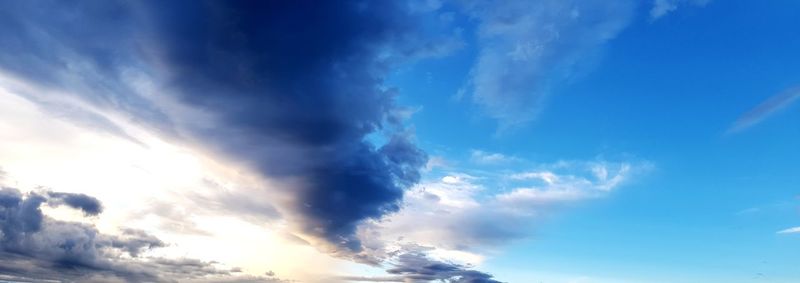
792	230
489	158
475	213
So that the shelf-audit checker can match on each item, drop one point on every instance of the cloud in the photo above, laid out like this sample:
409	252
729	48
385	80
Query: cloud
36	247
412	264
772	105
792	230
527	47
488	158
663	7
292	89
87	204
479	212
416	266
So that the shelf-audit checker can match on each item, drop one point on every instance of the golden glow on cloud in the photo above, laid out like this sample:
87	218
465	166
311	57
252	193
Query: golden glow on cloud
39	152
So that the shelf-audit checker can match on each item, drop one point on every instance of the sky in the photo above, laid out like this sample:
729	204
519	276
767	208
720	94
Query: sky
454	141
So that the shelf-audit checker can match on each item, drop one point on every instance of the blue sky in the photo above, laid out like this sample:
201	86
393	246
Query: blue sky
407	141
668	91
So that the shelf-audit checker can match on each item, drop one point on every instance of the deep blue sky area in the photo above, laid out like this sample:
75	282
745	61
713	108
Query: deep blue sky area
665	90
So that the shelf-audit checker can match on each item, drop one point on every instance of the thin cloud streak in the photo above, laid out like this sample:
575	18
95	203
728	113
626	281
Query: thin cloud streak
793	230
765	109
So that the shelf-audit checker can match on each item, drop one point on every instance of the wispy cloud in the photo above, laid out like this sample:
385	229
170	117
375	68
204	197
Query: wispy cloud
467	215
489	158
480	211
663	7
765	109
792	230
527	47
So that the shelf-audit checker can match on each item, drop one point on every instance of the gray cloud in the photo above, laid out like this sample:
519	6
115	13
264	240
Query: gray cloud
415	266
527	47
87	204
411	264
35	247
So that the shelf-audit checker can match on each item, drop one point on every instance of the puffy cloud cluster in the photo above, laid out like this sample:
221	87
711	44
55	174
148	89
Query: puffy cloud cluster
36	247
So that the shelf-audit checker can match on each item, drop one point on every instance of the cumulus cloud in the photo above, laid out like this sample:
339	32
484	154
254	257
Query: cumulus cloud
292	89
526	47
471	213
36	247
765	109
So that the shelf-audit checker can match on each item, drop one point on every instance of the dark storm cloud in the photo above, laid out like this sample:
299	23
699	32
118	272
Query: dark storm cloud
299	85
293	87
36	247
